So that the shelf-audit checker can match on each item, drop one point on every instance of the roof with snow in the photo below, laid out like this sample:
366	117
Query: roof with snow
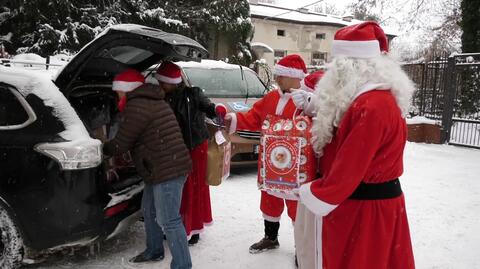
271	12
261	46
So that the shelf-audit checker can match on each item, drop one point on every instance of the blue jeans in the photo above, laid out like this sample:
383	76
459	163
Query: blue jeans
161	211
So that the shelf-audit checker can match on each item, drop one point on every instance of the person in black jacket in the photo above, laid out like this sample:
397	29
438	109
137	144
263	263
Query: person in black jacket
190	106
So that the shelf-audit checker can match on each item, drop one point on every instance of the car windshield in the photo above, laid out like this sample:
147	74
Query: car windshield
220	82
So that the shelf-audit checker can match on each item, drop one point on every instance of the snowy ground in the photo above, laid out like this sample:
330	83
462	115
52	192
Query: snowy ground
442	187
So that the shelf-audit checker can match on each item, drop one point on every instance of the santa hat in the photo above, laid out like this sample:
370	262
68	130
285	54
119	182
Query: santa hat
169	72
364	40
309	82
128	81
291	66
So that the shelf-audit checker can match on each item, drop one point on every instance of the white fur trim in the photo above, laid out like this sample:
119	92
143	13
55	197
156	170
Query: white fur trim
169	80
270	218
200	230
124	86
317	206
284	71
233	124
356	49
370	87
282	102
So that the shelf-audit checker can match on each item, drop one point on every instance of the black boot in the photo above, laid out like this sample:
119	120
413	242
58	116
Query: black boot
194	239
142	257
270	241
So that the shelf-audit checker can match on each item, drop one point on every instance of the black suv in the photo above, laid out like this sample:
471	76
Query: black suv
55	188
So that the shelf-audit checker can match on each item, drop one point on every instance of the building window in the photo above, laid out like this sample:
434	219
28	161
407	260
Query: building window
279	54
280	32
319	58
320	36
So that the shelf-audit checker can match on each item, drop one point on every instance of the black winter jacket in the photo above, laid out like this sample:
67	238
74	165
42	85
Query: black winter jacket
191	106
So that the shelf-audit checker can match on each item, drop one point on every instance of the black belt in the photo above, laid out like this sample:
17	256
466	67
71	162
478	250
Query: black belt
378	191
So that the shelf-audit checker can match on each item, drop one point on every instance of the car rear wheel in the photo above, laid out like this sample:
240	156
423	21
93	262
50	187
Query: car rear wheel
11	243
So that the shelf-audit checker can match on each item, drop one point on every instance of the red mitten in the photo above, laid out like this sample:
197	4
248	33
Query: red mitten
221	110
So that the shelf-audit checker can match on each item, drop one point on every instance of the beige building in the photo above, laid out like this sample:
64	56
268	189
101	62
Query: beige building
281	31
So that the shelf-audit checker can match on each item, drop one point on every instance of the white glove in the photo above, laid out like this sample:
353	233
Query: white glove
300	98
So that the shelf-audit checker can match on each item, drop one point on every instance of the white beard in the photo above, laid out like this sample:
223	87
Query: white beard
341	84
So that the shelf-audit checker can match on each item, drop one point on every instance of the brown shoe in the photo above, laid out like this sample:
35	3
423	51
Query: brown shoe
263	245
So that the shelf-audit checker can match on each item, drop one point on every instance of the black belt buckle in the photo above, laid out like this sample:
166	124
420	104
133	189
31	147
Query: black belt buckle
377	191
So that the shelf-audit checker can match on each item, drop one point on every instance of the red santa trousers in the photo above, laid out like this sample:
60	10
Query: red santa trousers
196	209
272	207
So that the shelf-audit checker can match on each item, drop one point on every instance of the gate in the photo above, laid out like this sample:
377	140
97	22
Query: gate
448	90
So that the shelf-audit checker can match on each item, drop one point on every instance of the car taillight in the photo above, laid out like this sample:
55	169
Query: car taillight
73	155
114	210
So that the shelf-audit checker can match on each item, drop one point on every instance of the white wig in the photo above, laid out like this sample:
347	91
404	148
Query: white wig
343	82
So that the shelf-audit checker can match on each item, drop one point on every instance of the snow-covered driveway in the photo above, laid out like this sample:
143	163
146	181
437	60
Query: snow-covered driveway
442	188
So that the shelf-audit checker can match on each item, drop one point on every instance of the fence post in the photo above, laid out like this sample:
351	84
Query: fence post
448	99
423	88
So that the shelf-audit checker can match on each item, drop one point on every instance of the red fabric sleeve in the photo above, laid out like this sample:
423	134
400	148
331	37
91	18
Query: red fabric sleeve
357	147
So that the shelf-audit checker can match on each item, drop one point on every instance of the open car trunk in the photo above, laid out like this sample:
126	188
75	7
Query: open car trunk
86	82
125	46
96	106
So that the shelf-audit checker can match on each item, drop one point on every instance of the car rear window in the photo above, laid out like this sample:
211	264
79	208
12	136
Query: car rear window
11	111
219	82
127	54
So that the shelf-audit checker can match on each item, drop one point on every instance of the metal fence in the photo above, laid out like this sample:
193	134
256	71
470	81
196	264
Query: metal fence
26	63
449	91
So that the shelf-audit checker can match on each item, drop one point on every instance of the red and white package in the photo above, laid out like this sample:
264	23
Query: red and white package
287	159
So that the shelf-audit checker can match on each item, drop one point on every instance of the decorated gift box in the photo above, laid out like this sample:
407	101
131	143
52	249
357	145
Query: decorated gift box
287	159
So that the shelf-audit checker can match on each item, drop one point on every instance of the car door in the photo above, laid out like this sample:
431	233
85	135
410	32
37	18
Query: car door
29	181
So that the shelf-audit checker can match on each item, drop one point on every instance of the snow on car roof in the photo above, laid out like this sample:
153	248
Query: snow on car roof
208	64
39	83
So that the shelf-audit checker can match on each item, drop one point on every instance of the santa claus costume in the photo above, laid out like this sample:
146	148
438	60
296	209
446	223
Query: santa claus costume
354	215
279	103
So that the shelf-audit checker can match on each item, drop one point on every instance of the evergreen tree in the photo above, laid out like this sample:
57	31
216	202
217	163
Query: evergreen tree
470	25
47	27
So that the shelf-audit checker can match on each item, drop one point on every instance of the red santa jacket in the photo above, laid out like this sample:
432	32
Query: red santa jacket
367	146
274	103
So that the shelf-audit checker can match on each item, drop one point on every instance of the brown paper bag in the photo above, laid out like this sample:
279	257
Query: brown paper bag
218	158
